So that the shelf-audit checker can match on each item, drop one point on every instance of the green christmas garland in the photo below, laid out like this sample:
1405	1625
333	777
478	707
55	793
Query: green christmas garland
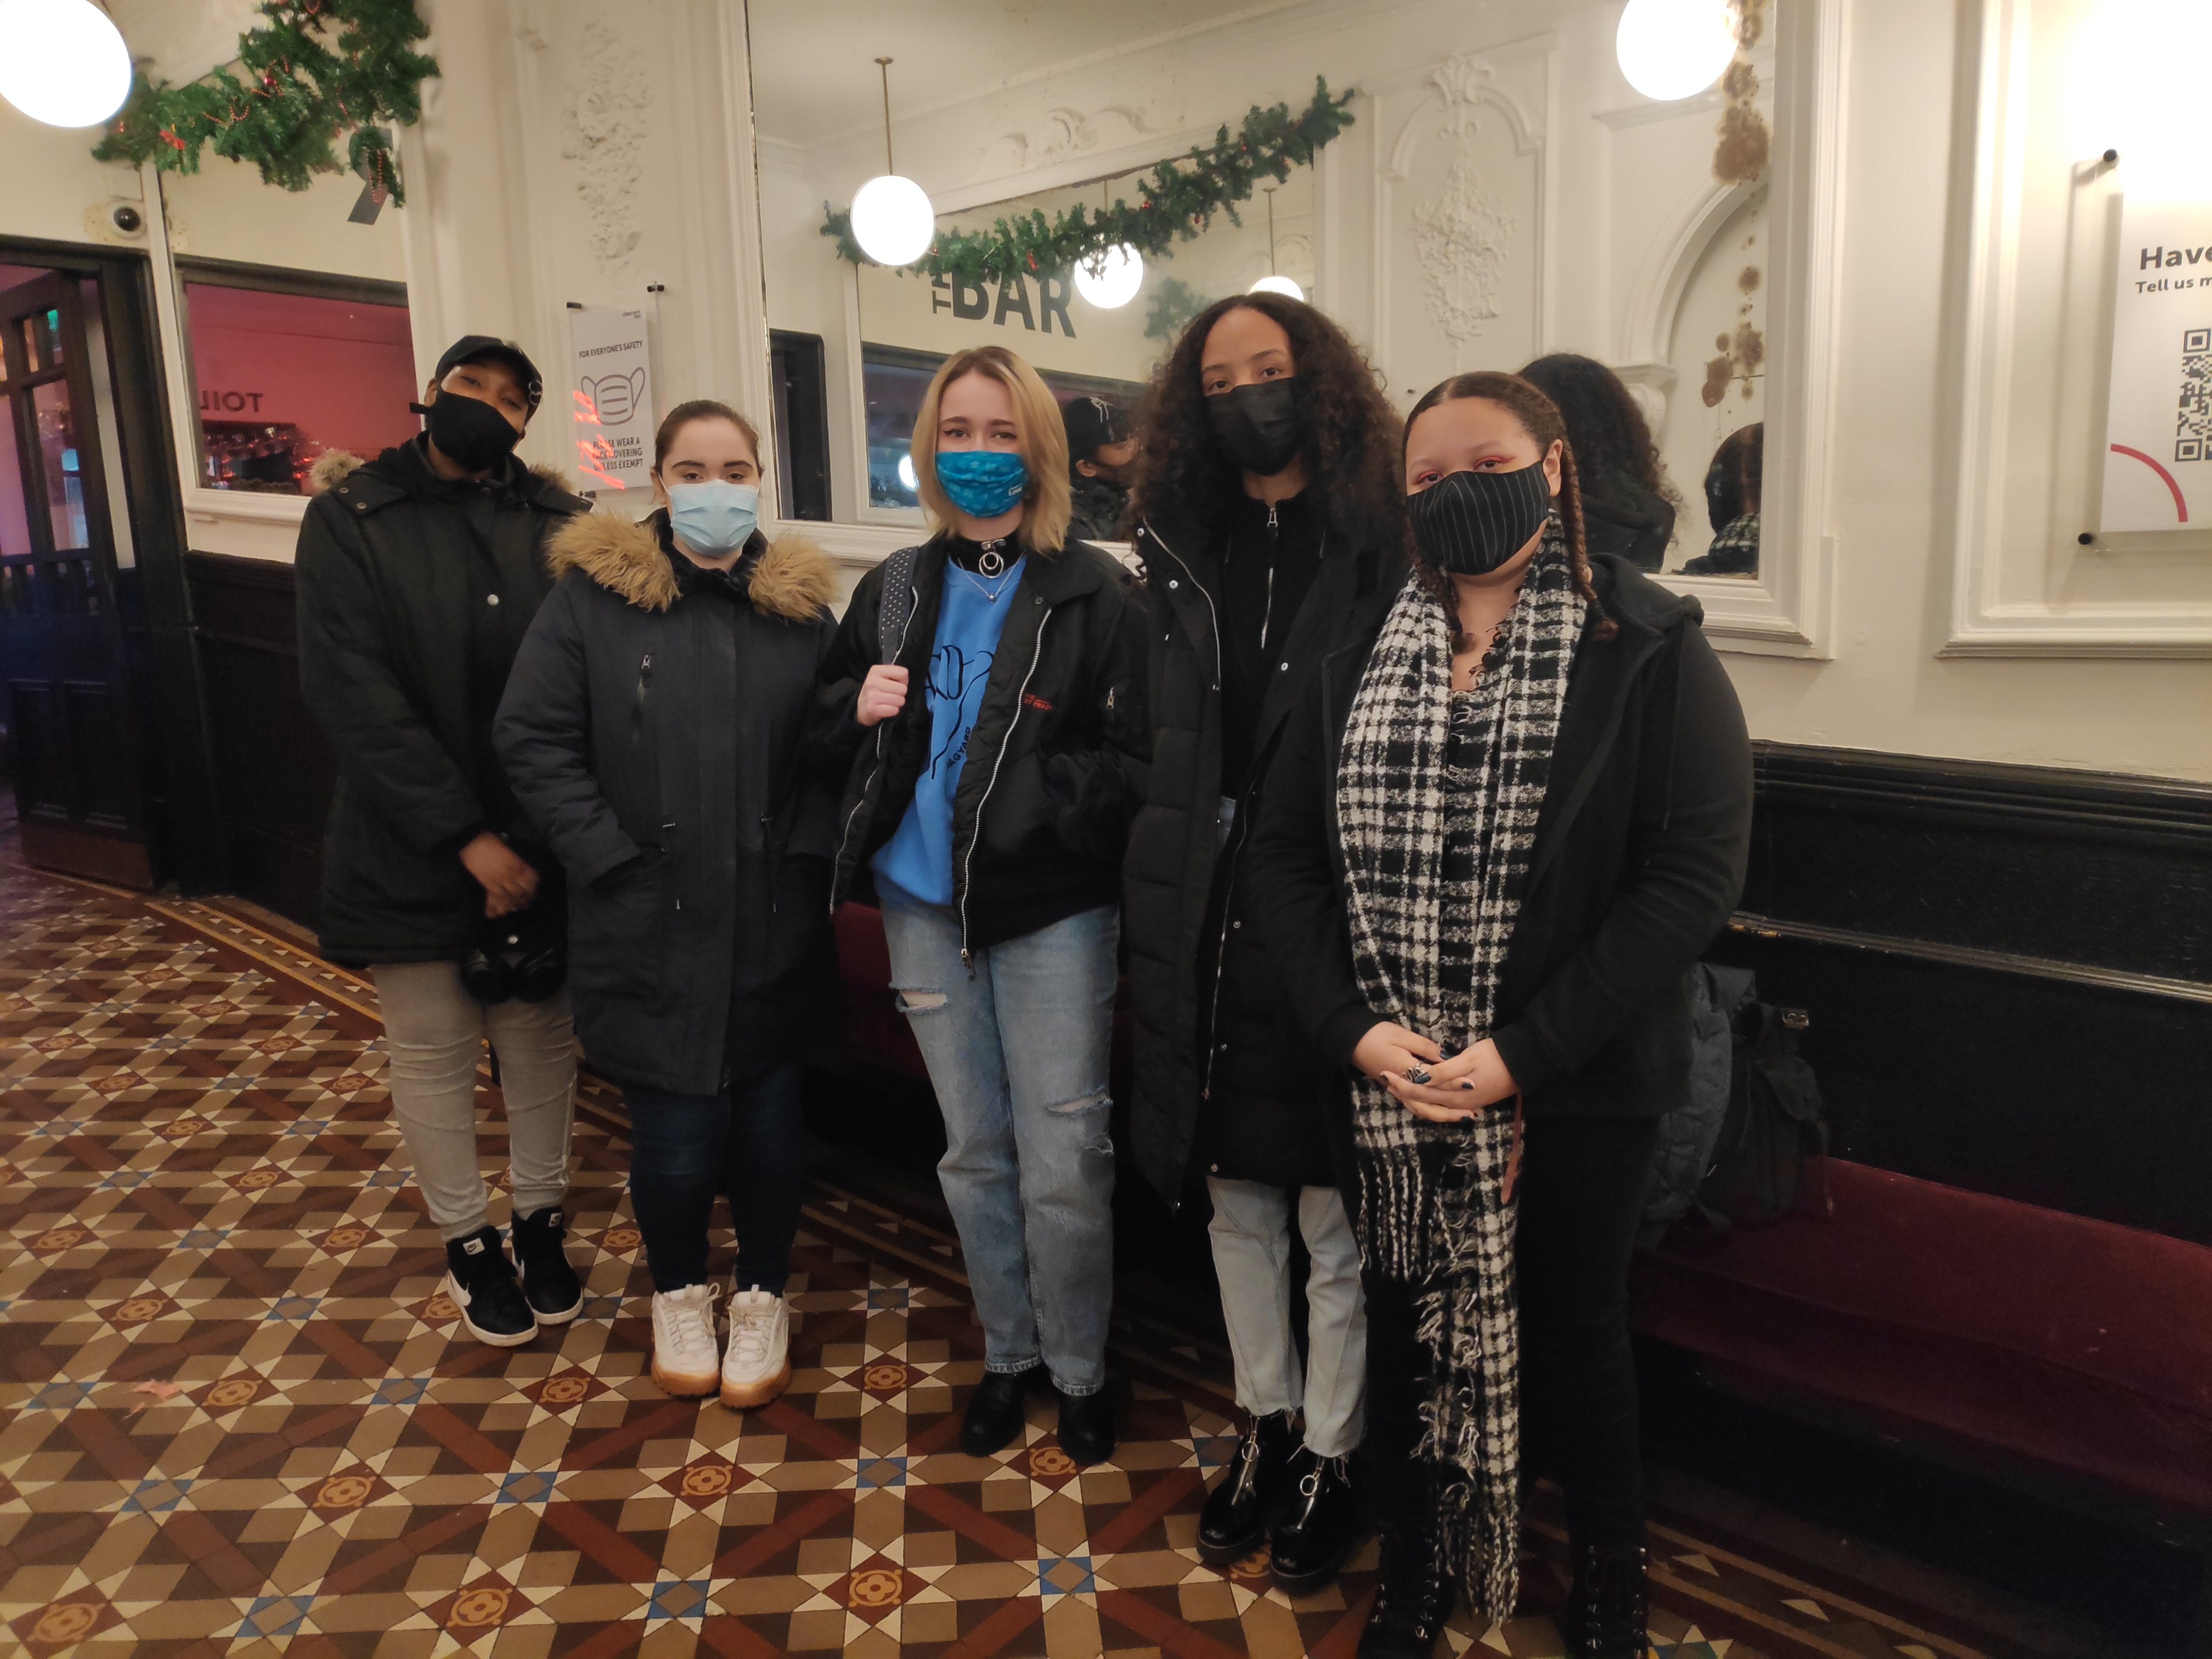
1179	199
316	68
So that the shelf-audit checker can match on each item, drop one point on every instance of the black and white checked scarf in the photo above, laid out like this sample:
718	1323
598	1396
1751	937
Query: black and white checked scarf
1434	1214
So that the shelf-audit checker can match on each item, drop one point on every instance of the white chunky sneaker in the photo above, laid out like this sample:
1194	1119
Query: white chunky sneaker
758	1363
685	1357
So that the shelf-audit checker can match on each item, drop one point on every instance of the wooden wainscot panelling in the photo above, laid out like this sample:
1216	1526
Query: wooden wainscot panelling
2008	972
274	770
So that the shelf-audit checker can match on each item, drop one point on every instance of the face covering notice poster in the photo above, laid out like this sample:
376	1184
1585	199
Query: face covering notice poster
612	416
2158	435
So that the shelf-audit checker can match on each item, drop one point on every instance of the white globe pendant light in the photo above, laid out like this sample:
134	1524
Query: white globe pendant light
1110	278
62	62
1672	49
892	219
1274	281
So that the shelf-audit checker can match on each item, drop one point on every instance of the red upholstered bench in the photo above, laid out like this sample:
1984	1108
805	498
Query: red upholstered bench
2083	1345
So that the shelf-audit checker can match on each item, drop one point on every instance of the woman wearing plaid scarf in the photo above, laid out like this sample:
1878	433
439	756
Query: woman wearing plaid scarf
1504	827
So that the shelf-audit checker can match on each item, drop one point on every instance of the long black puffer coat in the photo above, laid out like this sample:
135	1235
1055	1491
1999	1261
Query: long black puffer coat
1055	760
669	741
1262	1122
413	593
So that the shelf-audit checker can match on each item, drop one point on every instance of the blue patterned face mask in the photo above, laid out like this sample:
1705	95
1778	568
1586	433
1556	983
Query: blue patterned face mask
983	483
713	517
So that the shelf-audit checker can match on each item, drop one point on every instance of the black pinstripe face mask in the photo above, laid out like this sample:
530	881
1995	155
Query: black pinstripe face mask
1469	522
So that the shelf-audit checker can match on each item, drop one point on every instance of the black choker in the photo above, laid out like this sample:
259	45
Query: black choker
989	557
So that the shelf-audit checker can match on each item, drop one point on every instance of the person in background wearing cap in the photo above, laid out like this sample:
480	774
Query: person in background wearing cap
1101	456
417	575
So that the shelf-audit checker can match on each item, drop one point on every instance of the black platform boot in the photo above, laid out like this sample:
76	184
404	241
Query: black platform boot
1413	1598
1234	1522
1316	1522
1608	1609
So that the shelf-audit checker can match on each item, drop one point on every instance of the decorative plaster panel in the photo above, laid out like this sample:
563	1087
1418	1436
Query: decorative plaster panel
606	133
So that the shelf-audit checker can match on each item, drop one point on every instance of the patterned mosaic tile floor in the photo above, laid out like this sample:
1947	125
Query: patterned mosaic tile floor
236	1416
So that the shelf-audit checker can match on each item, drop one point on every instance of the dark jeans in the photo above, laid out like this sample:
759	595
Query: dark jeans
749	1142
1581	1194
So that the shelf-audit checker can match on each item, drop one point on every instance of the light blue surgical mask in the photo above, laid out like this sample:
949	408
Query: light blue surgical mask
713	517
984	484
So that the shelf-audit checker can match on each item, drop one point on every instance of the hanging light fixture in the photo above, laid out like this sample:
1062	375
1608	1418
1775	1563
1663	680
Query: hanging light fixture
1273	283
1671	49
1110	278
892	219
62	62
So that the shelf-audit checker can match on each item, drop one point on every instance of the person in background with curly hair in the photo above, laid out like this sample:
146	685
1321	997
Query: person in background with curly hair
1499	833
1271	520
1628	506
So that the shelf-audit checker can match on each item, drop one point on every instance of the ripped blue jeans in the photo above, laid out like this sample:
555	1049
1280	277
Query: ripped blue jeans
1018	1055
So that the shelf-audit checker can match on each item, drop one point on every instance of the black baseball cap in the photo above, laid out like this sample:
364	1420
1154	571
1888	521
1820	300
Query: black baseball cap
1092	422
490	348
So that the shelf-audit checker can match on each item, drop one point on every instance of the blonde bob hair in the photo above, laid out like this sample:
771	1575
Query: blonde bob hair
1039	432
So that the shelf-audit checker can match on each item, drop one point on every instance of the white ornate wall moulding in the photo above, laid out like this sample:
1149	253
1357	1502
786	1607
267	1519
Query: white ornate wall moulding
605	118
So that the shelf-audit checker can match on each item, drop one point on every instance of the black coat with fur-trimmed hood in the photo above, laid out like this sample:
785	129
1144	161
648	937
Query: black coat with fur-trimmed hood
663	728
414	593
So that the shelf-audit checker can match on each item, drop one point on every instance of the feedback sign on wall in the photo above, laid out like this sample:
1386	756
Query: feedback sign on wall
2158	436
613	396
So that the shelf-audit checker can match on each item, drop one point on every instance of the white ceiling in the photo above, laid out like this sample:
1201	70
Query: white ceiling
184	38
813	61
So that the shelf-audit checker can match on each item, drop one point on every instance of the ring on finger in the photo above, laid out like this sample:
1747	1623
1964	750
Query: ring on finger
1415	1074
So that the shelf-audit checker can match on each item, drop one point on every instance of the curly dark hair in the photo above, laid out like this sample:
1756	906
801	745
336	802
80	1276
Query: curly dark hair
1604	428
1540	419
1351	449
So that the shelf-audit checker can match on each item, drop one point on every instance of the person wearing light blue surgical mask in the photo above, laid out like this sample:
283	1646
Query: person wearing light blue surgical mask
662	725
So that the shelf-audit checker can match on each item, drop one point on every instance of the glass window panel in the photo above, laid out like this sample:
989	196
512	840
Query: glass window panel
60	462
42	340
280	378
15	509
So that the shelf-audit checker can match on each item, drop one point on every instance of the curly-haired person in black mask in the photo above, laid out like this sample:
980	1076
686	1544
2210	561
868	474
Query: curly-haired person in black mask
1498	835
1271	520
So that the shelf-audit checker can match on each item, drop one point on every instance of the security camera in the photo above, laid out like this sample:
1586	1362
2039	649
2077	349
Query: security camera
126	218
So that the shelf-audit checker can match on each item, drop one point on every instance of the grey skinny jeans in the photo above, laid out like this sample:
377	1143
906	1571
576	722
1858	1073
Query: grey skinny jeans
434	1035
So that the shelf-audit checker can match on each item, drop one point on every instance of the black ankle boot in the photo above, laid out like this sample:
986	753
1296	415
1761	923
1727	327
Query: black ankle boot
1234	1522
1314	1525
995	1411
1413	1598
549	1284
1087	1426
1609	1608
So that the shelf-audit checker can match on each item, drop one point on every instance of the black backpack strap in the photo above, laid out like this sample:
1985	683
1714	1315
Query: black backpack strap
896	605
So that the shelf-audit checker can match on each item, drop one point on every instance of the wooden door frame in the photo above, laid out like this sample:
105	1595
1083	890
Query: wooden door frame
152	602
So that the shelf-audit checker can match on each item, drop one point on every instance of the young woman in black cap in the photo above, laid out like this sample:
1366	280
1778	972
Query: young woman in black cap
418	574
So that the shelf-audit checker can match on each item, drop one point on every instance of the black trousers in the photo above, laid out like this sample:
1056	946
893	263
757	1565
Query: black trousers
1581	1194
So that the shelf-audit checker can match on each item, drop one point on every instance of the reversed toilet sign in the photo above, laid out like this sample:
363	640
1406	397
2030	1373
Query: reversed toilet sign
2158	424
612	415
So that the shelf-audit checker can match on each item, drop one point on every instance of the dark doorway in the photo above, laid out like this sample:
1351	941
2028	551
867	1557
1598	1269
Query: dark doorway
75	753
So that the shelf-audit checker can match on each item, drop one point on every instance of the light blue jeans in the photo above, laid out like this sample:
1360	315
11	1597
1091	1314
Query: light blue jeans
1018	1054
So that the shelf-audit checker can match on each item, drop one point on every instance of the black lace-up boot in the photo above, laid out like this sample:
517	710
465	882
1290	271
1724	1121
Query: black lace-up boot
1234	1522
1315	1525
1609	1608
1415	1595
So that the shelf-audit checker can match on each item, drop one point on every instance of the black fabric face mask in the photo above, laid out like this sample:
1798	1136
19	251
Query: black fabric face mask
1467	524
468	431
1257	426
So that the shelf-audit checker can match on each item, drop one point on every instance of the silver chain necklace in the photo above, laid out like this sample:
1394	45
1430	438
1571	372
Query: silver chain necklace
992	564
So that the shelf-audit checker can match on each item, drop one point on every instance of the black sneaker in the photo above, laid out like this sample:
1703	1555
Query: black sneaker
549	1284
481	1281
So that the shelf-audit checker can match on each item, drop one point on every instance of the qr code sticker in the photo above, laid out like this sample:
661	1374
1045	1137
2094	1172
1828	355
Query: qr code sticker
2192	438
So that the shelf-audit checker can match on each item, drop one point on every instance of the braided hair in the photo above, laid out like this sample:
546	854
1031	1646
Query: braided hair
1540	418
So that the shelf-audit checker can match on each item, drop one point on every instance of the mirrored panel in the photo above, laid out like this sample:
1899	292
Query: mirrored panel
1505	195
